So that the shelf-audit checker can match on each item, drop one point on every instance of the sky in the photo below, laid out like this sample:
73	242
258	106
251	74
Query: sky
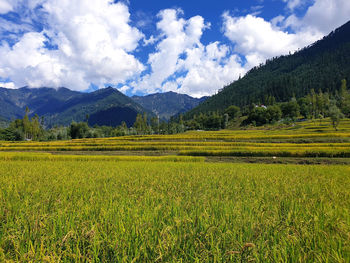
148	46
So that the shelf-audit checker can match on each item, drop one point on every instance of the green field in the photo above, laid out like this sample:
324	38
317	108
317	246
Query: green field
171	212
149	200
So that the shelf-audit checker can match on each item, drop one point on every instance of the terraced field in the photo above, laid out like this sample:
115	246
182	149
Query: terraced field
309	139
152	199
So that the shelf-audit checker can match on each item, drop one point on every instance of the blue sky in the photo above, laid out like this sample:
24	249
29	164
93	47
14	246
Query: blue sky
143	47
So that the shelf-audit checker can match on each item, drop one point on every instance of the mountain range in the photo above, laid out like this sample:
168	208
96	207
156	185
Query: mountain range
103	107
168	104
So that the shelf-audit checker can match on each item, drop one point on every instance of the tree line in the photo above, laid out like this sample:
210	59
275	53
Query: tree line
315	105
33	129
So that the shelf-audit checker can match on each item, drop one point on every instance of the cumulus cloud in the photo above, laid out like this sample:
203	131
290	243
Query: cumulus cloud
93	43
209	69
28	62
259	40
323	16
5	6
183	64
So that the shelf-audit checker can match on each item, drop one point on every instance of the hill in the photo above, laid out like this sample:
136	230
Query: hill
62	106
168	104
320	66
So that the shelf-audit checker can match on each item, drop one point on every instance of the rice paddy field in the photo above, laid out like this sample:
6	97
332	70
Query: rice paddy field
165	199
308	139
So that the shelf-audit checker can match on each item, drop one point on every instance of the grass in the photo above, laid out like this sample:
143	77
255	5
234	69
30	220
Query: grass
343	152
49	157
74	211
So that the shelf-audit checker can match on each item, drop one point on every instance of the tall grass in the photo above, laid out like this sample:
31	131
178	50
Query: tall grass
72	211
50	157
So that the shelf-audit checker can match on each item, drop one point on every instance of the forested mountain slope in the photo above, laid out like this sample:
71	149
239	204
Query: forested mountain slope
320	66
62	106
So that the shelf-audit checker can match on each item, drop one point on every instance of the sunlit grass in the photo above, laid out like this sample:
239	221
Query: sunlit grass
107	211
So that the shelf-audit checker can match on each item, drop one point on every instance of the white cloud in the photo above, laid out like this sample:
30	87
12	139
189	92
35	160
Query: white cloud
209	69
124	88
183	64
27	62
94	43
259	40
323	16
7	85
5	6
292	4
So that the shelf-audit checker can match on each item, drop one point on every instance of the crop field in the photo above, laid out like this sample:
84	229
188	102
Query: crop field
112	200
139	211
309	139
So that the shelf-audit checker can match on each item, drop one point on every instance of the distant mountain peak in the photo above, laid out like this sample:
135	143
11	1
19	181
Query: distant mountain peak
167	104
62	106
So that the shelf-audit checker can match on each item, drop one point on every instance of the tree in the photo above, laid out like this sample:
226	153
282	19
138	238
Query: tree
273	114
344	102
269	100
155	124
213	121
305	107
257	116
26	124
78	130
321	104
140	124
11	134
336	115
290	109
181	124
232	111
36	129
313	103
124	127
225	120
192	125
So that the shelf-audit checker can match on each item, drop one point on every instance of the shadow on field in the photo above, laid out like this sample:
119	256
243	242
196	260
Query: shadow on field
280	160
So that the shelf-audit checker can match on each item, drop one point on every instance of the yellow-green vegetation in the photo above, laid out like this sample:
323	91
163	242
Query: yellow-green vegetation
175	207
305	139
50	157
105	211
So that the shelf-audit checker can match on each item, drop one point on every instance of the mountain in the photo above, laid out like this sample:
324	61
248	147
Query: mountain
39	101
62	106
320	66
168	104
